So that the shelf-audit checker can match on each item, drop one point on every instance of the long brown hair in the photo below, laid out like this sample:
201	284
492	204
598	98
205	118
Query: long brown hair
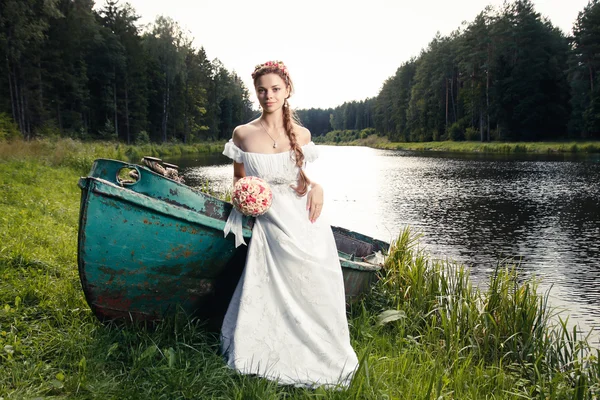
289	117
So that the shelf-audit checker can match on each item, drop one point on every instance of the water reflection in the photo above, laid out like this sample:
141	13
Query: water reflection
543	212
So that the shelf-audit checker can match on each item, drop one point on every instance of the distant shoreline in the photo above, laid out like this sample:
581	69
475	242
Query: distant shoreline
557	147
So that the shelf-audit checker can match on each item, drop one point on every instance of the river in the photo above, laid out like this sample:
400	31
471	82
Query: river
541	212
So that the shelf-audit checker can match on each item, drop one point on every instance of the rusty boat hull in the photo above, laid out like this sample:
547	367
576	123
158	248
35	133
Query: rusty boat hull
149	247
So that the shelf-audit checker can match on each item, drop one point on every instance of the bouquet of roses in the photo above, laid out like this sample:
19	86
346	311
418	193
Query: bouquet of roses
252	196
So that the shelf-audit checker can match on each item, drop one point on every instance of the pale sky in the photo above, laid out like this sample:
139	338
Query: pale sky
335	50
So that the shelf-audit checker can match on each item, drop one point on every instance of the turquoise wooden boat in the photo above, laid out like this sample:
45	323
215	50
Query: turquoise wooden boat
149	246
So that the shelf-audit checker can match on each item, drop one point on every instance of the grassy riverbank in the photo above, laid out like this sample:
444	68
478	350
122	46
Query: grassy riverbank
448	339
80	155
572	147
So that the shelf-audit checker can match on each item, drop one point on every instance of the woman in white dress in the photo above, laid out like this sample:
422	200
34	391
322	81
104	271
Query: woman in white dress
287	318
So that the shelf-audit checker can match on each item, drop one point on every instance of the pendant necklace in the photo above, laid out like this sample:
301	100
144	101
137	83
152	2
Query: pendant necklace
274	140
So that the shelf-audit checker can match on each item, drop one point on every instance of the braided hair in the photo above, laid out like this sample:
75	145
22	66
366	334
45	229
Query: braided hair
289	116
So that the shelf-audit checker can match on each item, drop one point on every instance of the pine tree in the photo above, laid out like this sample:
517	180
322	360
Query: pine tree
584	77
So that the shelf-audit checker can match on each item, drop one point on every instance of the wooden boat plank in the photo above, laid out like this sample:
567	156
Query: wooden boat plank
204	214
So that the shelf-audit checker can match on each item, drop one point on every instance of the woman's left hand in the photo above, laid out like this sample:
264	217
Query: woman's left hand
314	202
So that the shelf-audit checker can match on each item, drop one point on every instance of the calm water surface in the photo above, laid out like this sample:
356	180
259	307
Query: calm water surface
540	211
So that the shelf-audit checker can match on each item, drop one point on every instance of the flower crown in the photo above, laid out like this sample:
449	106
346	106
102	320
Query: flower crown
272	64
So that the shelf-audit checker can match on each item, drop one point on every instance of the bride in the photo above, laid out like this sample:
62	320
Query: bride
287	318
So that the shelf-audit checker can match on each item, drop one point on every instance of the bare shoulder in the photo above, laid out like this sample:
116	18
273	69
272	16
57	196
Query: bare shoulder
302	134
242	132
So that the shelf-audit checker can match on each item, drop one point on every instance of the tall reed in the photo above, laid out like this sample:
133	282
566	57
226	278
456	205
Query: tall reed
508	324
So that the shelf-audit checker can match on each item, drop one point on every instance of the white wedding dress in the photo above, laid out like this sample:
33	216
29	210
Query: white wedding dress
287	318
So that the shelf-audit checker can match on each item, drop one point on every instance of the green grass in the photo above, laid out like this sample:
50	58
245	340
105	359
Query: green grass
479	147
80	155
500	147
448	339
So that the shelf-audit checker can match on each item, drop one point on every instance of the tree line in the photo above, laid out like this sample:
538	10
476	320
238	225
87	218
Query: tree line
68	69
507	75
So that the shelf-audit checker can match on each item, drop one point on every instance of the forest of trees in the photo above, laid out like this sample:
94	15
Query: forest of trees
68	69
508	75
